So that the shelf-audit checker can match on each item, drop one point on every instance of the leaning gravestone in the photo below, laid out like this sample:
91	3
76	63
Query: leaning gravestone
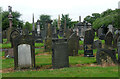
88	43
24	52
106	57
60	56
73	44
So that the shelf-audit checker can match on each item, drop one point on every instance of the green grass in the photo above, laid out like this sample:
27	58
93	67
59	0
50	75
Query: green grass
68	72
80	52
37	51
46	60
39	44
7	63
7	45
81	42
4	40
60	37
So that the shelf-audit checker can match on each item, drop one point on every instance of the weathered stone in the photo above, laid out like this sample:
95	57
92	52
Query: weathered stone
106	57
24	51
108	39
60	56
73	44
88	43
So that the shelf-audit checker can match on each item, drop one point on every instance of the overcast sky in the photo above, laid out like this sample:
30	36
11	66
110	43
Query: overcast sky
74	8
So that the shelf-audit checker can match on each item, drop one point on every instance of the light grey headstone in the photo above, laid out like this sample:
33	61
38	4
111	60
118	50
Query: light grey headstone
24	55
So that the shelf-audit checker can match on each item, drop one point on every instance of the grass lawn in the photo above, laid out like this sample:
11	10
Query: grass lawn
45	61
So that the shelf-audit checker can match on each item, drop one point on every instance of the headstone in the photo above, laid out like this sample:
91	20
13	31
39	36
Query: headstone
108	39
15	33
115	40
9	30
24	52
88	43
60	56
38	37
48	40
106	57
73	44
111	28
118	47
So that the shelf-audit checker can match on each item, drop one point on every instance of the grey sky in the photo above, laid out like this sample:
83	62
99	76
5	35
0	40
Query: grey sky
74	8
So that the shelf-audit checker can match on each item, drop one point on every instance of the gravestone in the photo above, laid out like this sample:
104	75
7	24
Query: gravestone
115	40
106	57
9	30
38	37
24	52
111	28
118	47
108	39
88	43
15	33
48	39
60	56
73	44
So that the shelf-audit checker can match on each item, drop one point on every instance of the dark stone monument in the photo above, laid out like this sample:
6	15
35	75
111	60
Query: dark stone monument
60	56
115	39
15	33
73	44
106	57
88	43
118	47
24	52
108	39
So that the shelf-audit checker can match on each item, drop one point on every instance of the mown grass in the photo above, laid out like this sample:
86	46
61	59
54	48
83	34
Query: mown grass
7	45
46	60
39	44
68	72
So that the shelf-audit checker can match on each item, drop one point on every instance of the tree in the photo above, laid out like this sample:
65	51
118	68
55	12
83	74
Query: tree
28	26
16	22
92	18
109	17
68	20
43	19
